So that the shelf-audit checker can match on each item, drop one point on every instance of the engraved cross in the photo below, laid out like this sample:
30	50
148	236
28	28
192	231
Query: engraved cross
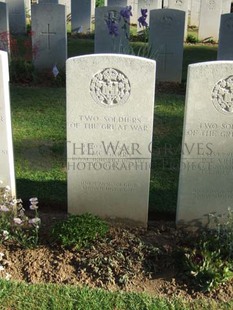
48	33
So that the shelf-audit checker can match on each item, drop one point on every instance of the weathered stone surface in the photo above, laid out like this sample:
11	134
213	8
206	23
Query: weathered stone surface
109	133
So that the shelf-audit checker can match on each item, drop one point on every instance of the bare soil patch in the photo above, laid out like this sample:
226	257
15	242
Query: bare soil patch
129	259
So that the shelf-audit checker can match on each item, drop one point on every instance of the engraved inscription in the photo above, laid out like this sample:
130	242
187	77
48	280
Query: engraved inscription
228	24
211	4
1	118
147	3
222	95
110	87
179	2
112	16
166	20
3	152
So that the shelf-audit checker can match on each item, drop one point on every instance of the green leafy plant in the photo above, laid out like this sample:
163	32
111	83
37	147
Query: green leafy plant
79	230
99	3
191	39
22	71
210	263
15	226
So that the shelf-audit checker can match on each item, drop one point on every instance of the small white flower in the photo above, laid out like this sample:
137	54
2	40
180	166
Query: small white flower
7	188
33	200
5	235
8	276
2	268
4	208
33	207
17	221
34	221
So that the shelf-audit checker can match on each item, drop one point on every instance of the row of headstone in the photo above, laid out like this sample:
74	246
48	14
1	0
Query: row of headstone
108	162
204	14
166	36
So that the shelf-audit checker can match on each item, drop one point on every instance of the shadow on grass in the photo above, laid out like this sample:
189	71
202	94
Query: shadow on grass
52	195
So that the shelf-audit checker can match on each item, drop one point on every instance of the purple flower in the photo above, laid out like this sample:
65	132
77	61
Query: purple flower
144	13
112	27
126	12
142	19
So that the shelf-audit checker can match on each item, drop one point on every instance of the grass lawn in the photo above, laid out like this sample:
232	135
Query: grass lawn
22	296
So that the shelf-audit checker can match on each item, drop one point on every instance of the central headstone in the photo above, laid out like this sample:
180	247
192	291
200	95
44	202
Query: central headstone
206	171
7	173
109	133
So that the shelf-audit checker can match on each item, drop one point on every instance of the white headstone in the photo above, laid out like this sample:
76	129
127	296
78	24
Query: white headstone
82	14
206	176
148	5
105	41
17	16
7	173
67	3
166	37
182	5
210	12
109	133
195	13
49	35
134	5
28	7
225	45
4	28
226	6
